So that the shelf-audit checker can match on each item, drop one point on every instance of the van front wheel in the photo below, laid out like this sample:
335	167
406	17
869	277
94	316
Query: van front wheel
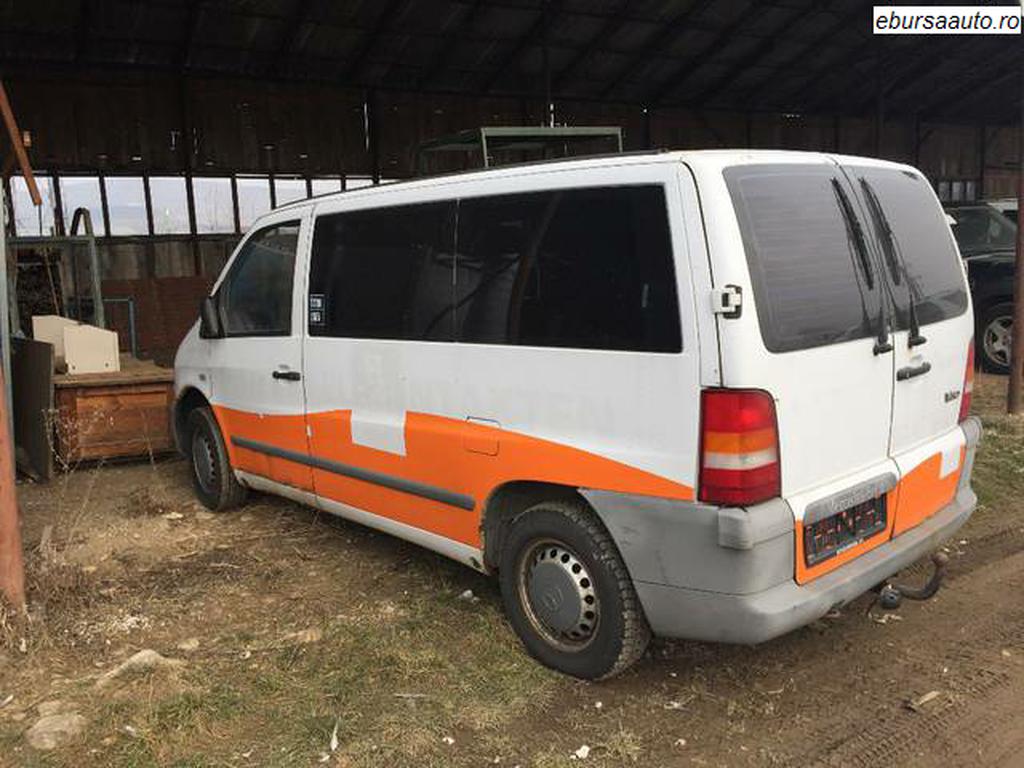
212	478
568	594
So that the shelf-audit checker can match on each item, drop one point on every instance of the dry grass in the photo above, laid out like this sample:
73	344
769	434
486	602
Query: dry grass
303	624
279	702
999	468
55	589
11	625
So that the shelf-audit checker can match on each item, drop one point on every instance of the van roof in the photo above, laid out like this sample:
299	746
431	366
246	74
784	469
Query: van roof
706	157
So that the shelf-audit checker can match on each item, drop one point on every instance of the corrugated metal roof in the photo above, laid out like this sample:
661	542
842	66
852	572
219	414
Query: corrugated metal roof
785	55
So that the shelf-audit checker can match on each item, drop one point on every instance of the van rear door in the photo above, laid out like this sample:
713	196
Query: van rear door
808	334
932	333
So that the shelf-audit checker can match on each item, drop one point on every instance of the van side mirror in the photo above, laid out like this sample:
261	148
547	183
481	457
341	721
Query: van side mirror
209	320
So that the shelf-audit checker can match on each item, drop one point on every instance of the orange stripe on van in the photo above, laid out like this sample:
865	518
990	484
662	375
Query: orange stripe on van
439	453
288	432
740	442
923	492
917	496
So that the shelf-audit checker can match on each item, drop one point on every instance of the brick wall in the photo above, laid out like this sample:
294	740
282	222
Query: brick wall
165	308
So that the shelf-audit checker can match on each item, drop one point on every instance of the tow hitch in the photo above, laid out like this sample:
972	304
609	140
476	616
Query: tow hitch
891	595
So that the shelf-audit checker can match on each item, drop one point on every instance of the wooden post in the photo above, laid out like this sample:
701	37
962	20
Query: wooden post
18	146
1013	394
12	567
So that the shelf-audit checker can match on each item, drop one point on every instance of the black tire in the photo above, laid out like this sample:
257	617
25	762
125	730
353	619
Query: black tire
993	339
212	477
609	638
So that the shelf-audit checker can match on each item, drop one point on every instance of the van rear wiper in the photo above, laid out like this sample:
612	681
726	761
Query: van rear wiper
856	234
894	260
853	226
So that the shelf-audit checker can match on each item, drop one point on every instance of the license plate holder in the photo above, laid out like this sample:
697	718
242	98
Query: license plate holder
828	537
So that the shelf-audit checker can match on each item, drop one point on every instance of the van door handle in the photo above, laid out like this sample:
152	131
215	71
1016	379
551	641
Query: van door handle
287	375
913	370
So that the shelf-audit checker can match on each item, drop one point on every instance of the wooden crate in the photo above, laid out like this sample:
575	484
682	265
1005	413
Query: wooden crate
110	415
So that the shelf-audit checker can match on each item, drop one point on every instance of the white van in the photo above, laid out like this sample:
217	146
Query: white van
704	395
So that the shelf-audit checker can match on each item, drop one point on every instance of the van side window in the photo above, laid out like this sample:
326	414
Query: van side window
584	268
809	286
256	296
384	273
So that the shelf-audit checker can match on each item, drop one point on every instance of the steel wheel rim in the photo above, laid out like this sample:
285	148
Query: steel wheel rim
997	339
558	595
203	464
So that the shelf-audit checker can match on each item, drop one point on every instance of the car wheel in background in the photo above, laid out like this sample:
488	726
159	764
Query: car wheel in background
996	334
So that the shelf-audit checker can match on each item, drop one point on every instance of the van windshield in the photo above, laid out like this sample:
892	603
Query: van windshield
810	283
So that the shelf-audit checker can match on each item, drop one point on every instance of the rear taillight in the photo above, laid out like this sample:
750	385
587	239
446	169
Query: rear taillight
739	457
965	396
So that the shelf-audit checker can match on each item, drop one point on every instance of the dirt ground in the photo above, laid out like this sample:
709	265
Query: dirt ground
299	633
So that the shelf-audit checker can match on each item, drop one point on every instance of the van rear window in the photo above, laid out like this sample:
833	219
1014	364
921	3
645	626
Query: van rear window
921	244
809	288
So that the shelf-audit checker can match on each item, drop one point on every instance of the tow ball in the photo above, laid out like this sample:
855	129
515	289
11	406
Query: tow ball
891	595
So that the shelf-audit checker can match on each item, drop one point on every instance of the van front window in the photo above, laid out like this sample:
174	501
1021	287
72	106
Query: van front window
256	296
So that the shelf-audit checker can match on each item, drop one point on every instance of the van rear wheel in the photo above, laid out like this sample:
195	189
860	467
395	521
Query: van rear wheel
567	592
212	477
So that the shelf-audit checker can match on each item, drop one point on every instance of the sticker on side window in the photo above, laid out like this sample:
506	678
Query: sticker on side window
317	307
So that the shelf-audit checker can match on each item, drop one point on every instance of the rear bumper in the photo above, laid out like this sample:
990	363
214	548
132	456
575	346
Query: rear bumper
760	616
726	575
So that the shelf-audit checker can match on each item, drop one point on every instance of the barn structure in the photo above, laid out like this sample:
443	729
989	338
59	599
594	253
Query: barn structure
176	122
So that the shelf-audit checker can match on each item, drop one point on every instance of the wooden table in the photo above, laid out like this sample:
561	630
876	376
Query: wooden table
120	414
